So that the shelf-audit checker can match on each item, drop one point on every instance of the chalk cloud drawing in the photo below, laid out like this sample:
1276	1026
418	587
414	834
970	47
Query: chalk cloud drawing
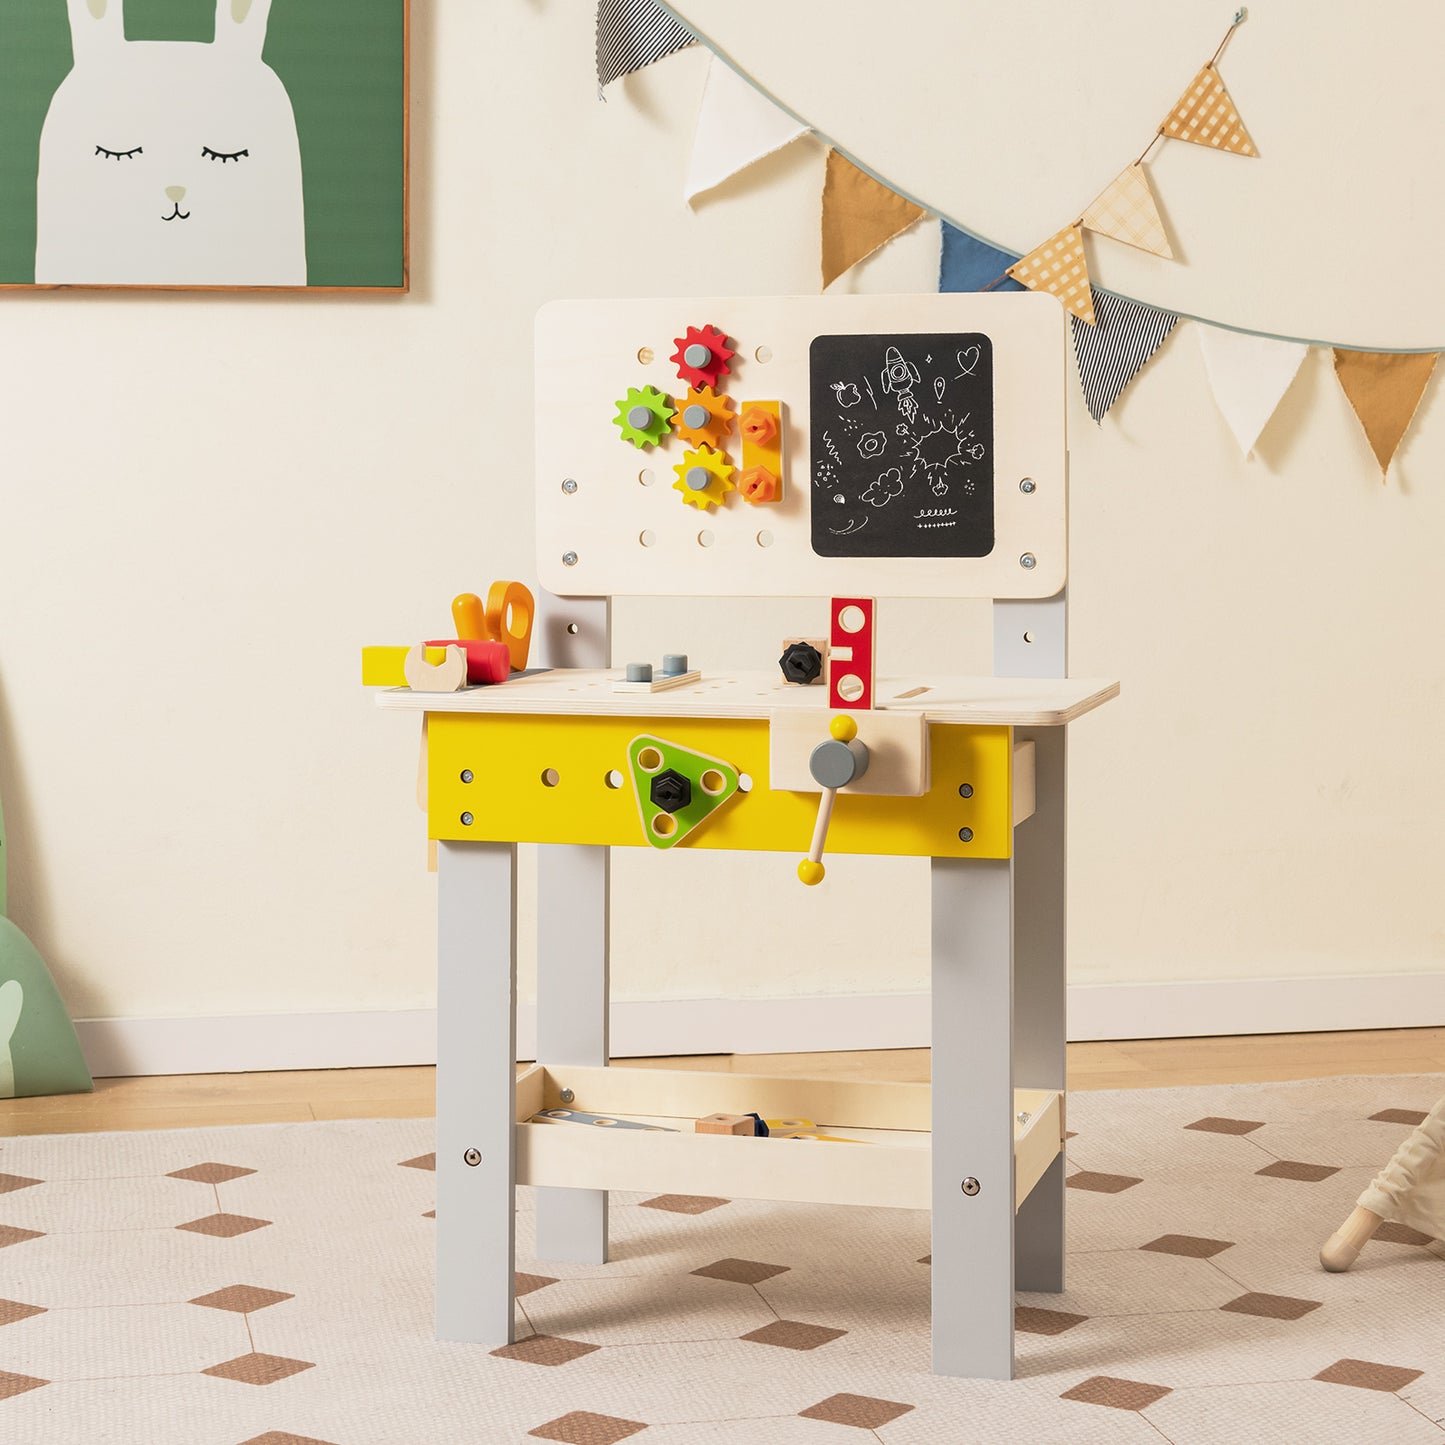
884	488
170	162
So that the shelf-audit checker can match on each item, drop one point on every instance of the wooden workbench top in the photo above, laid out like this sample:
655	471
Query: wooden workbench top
1005	701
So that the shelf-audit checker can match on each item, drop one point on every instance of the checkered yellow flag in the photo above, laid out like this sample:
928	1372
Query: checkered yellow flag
1125	210
1205	116
1058	267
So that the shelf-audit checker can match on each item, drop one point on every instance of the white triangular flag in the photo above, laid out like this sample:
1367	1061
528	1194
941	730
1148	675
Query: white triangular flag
736	125
1250	375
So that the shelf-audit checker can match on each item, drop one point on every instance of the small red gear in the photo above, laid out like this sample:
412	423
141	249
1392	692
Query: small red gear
700	371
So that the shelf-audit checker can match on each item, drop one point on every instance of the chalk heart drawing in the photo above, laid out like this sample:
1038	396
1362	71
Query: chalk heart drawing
170	162
967	360
12	996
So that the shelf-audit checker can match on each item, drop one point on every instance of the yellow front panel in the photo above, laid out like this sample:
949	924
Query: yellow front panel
509	757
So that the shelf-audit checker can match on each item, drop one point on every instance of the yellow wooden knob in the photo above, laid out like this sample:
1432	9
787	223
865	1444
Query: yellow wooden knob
844	729
810	872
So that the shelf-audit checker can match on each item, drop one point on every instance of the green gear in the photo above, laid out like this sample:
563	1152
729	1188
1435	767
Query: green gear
649	430
712	783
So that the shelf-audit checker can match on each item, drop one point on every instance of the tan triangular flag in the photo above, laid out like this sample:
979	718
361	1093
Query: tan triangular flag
1205	115
1058	267
1384	388
859	215
1125	210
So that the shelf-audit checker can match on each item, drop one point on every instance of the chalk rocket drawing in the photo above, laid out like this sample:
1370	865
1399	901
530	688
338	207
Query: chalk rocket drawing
170	162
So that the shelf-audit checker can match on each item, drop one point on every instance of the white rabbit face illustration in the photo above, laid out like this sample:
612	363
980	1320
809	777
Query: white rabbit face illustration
170	162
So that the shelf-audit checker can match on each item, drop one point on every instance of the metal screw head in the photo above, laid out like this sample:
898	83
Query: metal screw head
567	1096
466	775
1023	1116
466	820
1028	485
965	835
965	790
1028	561
569	486
569	559
970	1186
473	1157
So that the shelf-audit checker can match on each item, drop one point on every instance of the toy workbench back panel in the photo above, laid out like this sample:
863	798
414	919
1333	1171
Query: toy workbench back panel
917	446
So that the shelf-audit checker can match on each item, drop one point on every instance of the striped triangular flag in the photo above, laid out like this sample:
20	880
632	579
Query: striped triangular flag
1205	116
1125	211
736	125
967	264
1385	389
1058	267
859	215
1111	352
632	34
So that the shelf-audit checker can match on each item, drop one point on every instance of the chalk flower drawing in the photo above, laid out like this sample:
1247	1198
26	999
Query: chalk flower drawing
871	444
883	489
170	162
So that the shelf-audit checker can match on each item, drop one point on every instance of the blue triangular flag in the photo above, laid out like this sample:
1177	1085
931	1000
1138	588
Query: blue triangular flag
634	33
1112	351
967	264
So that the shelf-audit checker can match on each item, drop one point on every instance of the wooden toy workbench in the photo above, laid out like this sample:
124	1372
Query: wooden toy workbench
968	772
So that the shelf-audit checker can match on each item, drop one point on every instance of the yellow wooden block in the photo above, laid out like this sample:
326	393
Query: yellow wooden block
531	778
383	666
760	425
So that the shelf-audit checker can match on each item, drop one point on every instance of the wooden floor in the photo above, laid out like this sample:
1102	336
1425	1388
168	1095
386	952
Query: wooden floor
198	1100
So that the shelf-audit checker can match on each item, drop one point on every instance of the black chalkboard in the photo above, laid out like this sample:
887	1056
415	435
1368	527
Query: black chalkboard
902	445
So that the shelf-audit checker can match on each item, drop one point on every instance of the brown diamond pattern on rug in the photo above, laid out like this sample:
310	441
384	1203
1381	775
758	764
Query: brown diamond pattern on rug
1368	1376
582	1427
1117	1394
867	1412
794	1335
741	1271
241	1298
1393	1232
1399	1116
1293	1169
1101	1183
18	1384
210	1173
422	1161
684	1203
528	1283
12	1310
280	1437
545	1350
430	1214
258	1369
9	1183
1272	1306
1031	1321
927	1259
1226	1126
1191	1246
10	1234
224	1226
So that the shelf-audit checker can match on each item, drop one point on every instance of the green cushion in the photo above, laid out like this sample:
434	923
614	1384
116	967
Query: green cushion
39	1053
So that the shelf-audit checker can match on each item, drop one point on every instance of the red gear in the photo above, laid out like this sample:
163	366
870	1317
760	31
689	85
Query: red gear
720	354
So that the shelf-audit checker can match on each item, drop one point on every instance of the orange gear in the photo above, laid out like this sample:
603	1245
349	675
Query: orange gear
704	418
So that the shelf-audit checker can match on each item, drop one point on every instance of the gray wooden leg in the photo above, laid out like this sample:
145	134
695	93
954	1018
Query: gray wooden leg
572	986
973	1229
476	1091
1040	993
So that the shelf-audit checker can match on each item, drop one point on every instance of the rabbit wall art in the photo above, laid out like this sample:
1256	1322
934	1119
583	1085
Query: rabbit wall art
170	163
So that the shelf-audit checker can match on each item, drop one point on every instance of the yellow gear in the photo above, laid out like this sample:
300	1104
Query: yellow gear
704	478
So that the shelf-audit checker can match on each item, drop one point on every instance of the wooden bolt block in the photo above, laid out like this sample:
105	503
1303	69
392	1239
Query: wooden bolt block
725	1124
761	429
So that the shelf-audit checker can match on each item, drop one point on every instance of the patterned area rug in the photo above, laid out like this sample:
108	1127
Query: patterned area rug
272	1285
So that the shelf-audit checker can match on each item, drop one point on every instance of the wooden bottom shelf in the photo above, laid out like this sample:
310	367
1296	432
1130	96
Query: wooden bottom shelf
889	1166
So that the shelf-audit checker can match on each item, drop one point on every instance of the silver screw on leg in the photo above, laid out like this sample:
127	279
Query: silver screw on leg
473	1157
971	1186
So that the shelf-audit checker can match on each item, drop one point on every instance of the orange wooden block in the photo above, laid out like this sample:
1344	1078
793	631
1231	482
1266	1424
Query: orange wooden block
725	1124
761	429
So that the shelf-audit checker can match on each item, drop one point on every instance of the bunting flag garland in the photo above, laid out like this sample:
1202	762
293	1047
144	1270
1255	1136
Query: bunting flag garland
1384	388
1113	350
1205	116
1125	210
967	264
736	125
1058	267
632	34
859	215
1249	376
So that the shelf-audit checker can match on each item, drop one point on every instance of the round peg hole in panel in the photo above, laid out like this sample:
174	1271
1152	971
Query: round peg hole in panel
664	825
705	538
649	760
612	778
712	782
550	777
647	538
647	476
764	354
765	538
850	687
851	619
645	355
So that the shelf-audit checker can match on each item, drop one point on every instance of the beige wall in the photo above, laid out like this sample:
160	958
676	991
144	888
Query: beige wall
210	503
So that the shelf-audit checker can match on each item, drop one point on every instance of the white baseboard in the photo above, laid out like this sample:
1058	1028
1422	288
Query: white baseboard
380	1038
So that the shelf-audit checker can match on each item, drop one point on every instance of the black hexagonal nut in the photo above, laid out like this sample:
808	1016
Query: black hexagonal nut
801	663
671	791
